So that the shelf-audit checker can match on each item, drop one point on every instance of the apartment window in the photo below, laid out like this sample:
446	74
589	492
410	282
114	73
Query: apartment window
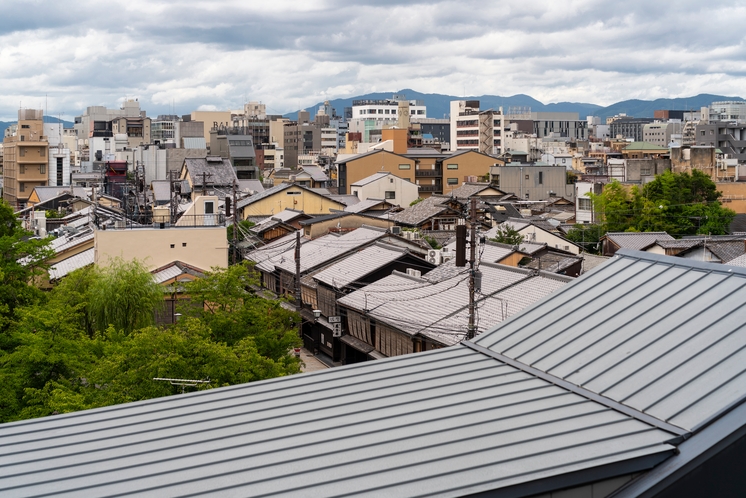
541	178
21	169
452	181
452	166
42	169
405	166
703	133
390	194
526	177
25	126
21	186
21	151
41	152
584	203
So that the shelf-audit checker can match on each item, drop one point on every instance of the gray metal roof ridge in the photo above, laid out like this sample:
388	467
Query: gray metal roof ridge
685	263
528	271
610	403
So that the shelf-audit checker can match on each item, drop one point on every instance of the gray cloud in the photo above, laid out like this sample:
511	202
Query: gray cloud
288	54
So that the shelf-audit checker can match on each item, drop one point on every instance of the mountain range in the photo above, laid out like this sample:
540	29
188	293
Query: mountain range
438	105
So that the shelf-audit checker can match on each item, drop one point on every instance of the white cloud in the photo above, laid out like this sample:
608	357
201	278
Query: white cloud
200	54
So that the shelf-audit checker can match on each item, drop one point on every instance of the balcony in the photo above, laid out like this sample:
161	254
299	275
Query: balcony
435	189
428	172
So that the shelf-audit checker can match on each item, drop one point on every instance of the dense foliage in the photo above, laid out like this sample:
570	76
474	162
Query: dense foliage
677	203
75	347
507	235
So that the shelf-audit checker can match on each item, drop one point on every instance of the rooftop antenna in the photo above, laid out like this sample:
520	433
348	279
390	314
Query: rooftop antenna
182	382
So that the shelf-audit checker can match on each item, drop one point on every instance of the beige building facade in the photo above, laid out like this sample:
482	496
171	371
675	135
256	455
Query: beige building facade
25	158
203	247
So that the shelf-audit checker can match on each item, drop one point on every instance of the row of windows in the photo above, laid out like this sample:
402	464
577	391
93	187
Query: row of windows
42	169
391	111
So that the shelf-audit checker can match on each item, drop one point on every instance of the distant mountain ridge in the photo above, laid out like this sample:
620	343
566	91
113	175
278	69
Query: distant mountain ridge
47	119
438	105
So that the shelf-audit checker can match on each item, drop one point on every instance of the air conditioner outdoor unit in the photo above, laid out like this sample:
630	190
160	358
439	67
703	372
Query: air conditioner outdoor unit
120	224
434	256
414	273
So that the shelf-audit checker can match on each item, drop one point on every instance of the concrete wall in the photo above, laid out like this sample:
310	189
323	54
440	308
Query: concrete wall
210	118
203	247
533	183
404	192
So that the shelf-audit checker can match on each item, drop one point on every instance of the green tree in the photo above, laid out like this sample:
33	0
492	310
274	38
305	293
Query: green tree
21	266
186	350
233	312
243	228
507	235
123	295
677	203
587	236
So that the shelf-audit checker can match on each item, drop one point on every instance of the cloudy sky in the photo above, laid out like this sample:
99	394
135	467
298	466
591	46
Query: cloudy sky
192	54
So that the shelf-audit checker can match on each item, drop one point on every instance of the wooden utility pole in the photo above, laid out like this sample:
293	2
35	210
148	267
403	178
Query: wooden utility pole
471	332
298	302
235	226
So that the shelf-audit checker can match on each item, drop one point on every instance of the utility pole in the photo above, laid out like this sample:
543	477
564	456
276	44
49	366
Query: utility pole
472	260
298	302
235	226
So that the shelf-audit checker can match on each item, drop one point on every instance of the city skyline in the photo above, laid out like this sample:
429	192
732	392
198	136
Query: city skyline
185	56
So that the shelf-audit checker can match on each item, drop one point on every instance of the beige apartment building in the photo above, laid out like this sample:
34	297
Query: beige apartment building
25	158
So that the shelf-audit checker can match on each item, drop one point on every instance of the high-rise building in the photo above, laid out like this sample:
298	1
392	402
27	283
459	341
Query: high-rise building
473	129
25	158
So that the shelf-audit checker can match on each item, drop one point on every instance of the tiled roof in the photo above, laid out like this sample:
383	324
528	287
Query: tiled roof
637	241
421	212
262	195
219	171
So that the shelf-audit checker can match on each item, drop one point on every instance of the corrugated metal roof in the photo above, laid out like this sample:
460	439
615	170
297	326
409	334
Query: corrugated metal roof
167	273
319	251
444	423
663	335
316	173
372	178
366	204
195	143
359	264
436	305
64	267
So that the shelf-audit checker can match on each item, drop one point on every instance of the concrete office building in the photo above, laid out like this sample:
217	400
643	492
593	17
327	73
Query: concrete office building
59	155
660	133
628	128
729	137
532	182
559	124
728	110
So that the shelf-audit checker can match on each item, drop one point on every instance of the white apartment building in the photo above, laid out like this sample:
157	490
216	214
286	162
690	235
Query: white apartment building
59	155
386	111
472	129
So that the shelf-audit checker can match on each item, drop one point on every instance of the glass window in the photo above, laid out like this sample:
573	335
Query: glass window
452	166
584	203
405	166
43	169
390	194
452	181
